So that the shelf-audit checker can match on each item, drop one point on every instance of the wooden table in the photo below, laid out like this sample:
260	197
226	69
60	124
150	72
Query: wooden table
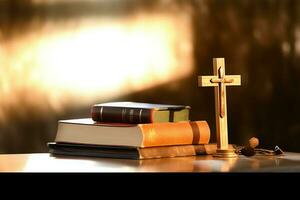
44	162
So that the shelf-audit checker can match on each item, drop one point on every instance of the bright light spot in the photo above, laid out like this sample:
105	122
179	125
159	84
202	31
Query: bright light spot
94	58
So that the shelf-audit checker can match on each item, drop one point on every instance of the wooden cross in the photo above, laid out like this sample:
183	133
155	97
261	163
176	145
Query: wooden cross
219	80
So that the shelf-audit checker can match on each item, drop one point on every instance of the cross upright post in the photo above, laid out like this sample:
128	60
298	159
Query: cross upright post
219	80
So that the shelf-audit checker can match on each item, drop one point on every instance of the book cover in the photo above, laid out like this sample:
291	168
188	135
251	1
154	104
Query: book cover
137	113
86	131
130	152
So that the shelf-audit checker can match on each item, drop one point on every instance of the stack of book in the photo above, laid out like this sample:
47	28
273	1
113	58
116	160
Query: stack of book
134	131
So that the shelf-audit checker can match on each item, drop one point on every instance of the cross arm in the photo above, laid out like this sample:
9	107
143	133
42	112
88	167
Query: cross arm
205	81
236	80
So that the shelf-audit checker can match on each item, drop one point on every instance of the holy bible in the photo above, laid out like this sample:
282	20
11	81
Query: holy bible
86	131
138	113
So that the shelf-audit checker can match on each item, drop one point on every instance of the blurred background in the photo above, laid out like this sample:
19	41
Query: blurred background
59	57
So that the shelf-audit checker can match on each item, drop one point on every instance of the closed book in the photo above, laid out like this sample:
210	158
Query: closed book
69	149
137	113
86	131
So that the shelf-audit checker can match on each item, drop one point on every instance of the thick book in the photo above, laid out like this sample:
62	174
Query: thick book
69	149
86	131
138	113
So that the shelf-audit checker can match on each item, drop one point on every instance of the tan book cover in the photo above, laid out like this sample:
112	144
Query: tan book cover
86	131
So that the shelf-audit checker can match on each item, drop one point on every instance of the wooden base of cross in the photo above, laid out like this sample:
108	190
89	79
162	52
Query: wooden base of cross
225	153
219	80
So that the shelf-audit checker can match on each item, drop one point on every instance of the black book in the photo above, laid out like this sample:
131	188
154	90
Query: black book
137	153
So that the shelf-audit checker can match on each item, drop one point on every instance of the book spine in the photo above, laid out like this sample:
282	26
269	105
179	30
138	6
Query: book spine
179	133
121	115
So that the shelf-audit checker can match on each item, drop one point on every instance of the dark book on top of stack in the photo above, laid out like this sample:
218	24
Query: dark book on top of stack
139	113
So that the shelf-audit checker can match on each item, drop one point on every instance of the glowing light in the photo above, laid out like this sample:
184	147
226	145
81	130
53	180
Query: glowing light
94	58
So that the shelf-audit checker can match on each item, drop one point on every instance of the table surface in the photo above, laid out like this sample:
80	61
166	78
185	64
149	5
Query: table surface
44	162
